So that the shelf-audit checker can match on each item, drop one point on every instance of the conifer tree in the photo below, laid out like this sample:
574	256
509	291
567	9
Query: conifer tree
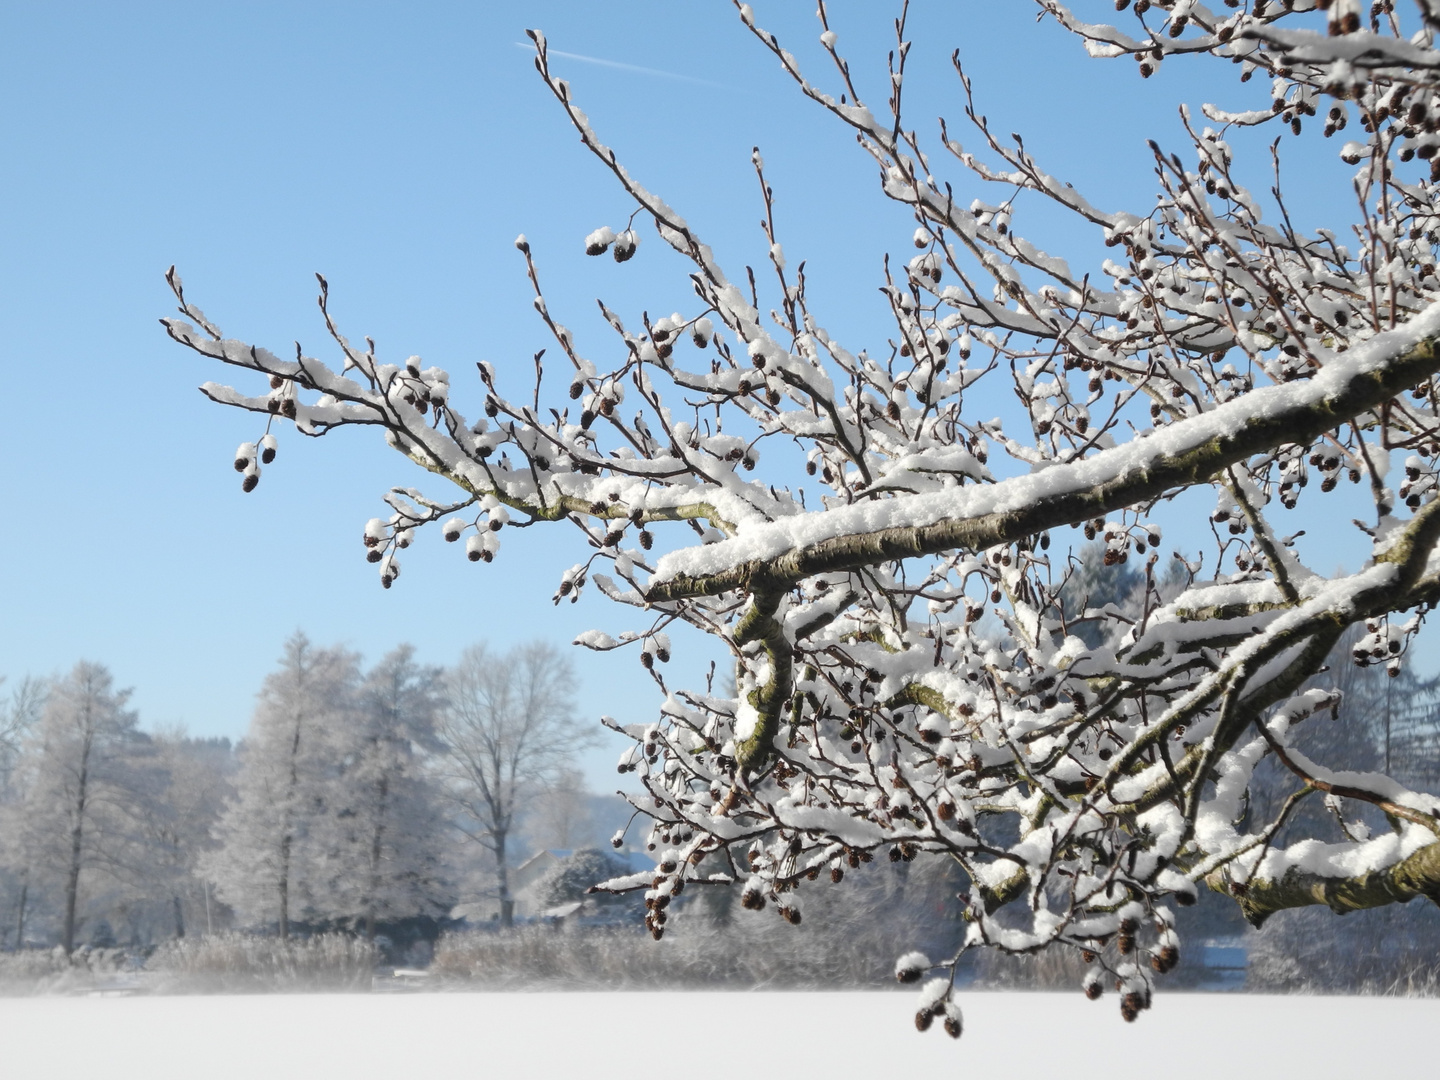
78	813
385	822
267	864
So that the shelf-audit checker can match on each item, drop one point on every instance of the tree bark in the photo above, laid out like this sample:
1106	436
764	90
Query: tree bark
284	884
77	842
285	843
1141	481
20	918
72	888
507	903
1416	875
376	847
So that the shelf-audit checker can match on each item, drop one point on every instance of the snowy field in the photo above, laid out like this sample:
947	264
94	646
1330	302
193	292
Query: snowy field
604	1036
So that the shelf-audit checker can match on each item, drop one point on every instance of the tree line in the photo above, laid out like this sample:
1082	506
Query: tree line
360	798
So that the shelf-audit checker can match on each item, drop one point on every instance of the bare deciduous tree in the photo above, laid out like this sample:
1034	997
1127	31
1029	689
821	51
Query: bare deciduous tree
1081	784
190	784
508	729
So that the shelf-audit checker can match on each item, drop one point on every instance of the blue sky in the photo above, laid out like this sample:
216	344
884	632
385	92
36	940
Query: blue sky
399	150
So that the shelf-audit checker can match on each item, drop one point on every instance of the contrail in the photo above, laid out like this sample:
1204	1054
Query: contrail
624	67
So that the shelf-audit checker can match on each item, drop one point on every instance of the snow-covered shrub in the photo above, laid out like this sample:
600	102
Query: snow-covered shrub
1392	950
572	877
849	938
245	963
29	970
883	537
46	971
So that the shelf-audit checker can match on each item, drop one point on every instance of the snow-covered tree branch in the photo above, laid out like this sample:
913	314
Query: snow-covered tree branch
910	675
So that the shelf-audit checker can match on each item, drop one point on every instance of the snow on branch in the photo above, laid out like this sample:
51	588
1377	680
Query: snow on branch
927	662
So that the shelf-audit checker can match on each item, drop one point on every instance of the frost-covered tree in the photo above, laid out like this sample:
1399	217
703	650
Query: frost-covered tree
85	785
190	782
19	713
272	835
384	816
858	513
507	729
562	813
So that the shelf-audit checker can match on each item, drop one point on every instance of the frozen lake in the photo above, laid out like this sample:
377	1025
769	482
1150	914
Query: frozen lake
513	1036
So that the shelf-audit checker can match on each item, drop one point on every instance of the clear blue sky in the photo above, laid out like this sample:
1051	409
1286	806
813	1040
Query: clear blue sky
399	149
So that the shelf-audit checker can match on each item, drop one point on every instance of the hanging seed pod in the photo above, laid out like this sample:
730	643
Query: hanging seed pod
1168	957
910	967
625	245
599	241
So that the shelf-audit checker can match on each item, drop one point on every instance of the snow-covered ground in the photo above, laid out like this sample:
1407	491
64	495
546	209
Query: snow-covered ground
515	1036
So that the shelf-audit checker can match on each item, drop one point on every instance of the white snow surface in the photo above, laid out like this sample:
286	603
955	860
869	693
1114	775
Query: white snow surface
601	1036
